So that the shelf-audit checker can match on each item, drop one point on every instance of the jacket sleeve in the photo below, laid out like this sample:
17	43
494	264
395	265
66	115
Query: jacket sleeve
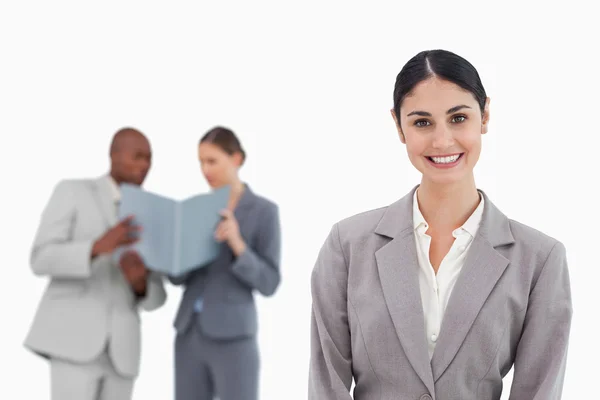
156	296
186	278
330	368
259	267
54	251
541	357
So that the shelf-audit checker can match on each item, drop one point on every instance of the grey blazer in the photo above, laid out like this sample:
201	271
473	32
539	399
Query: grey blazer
86	303
227	285
511	306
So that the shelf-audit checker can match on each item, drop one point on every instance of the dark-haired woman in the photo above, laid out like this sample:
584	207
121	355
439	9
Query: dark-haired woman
439	294
216	350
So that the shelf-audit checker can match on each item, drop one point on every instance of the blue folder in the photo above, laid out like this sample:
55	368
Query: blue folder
177	236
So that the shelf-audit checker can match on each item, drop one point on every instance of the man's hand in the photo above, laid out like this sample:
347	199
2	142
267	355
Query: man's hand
122	234
135	271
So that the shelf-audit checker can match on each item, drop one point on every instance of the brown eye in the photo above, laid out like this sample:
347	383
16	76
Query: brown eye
459	118
421	123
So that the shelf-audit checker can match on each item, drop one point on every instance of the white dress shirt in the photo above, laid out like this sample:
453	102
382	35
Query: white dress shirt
436	289
116	192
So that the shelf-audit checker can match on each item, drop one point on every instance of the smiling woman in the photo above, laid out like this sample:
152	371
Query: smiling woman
441	110
439	294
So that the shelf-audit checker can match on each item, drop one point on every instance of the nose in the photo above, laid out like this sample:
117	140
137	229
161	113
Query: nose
442	138
204	170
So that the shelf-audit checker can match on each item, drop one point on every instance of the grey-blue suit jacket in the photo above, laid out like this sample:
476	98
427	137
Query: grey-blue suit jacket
511	306
227	285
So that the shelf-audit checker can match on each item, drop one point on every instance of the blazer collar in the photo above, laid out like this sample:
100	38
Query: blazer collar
246	199
398	219
397	263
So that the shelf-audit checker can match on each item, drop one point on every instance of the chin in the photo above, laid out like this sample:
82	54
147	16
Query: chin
438	180
135	182
445	179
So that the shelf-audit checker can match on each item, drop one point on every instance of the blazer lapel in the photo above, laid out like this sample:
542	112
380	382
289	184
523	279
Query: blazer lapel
104	198
246	199
398	270
483	267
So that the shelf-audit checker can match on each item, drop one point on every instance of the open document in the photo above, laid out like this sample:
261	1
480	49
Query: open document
177	235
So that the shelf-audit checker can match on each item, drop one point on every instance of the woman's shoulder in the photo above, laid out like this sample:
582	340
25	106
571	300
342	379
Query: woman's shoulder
534	251
264	203
360	224
532	238
501	230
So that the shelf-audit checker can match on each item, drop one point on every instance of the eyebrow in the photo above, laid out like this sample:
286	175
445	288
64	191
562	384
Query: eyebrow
450	111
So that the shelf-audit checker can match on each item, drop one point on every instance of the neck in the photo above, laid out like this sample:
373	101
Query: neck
447	207
117	180
237	189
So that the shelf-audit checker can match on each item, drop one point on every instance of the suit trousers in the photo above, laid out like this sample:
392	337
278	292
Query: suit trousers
97	380
207	368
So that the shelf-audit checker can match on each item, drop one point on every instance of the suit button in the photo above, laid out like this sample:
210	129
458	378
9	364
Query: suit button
426	397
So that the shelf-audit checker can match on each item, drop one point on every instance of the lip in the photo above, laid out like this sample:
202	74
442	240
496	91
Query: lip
446	166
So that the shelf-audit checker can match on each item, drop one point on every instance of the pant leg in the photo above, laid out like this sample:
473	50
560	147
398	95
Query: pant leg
236	368
71	381
114	386
193	380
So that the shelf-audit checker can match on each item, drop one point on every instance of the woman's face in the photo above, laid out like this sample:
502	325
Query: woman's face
441	125
218	167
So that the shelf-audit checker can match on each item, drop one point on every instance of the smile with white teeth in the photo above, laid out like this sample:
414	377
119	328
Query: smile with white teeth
445	160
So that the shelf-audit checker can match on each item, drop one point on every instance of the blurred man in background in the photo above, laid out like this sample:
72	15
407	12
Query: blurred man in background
87	323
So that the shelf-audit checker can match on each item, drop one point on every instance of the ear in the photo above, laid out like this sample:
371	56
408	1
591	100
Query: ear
402	138
486	117
237	158
114	160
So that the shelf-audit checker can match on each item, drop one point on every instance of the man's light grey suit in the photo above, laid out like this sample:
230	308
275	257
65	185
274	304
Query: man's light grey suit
511	304
88	305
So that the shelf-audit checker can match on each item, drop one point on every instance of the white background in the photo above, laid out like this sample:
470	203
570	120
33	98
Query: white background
308	88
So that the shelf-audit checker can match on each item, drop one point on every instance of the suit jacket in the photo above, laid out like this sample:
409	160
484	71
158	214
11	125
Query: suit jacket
86	303
227	285
511	306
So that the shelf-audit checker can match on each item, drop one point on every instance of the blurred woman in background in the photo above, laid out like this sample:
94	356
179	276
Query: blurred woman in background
216	349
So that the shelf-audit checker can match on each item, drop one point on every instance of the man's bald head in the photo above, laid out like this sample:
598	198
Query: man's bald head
130	156
124	138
